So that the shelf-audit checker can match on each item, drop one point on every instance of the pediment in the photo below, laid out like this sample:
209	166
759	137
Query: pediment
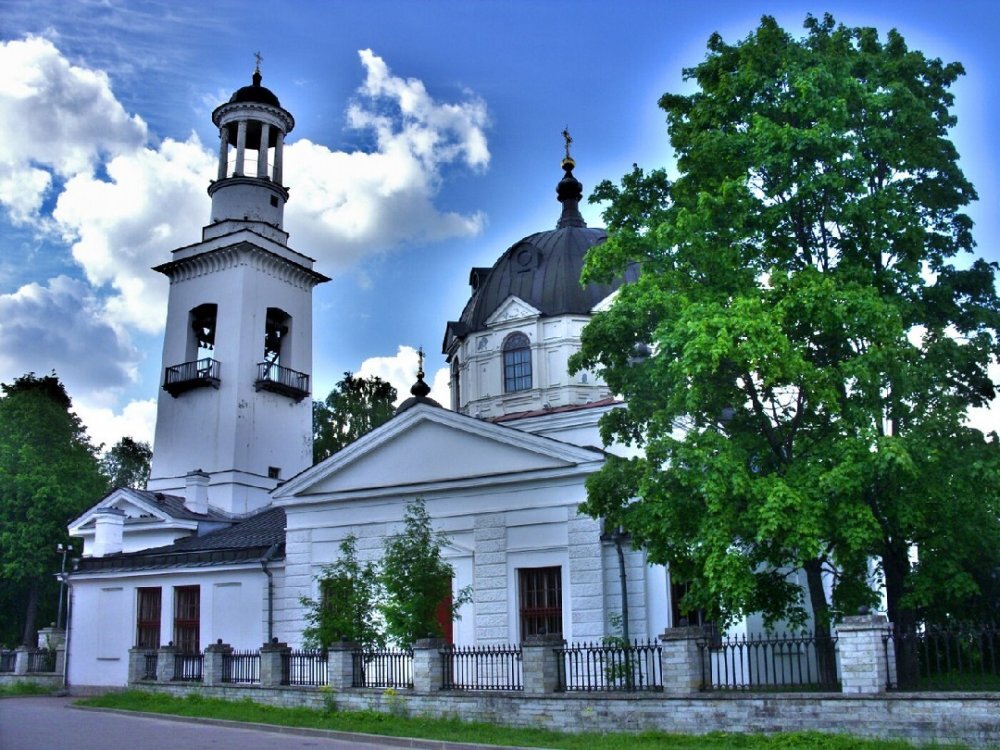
135	507
512	308
431	446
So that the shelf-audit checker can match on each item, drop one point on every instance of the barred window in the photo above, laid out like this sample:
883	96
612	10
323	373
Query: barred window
540	596
148	617
187	619
516	363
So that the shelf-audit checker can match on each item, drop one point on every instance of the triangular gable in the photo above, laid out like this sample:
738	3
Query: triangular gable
131	503
429	445
512	308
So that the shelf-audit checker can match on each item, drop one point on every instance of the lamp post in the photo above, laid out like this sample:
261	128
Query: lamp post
65	549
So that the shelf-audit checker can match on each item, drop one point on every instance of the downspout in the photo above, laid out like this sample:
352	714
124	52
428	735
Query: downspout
69	630
268	556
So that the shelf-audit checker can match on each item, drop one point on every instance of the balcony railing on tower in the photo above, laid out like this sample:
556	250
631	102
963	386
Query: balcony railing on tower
201	373
283	380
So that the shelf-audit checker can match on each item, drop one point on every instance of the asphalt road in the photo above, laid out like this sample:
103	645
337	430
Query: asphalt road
52	724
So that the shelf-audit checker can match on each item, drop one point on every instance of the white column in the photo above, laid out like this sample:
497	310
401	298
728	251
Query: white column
278	148
241	144
223	151
265	134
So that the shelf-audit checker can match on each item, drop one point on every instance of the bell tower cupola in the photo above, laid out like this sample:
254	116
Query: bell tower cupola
248	186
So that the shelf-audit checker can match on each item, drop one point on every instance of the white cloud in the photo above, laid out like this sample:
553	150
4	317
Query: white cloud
400	371
152	202
59	327
136	420
54	117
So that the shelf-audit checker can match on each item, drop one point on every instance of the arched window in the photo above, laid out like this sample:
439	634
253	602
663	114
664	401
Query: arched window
516	363
456	385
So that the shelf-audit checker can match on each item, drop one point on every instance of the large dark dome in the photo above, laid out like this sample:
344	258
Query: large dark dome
542	269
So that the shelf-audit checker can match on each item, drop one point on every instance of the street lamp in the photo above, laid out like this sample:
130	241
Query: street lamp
65	549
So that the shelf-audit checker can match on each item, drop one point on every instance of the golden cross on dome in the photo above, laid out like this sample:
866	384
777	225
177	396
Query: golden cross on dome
420	360
569	139
259	59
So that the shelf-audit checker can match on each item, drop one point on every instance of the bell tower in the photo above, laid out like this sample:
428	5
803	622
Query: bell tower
237	351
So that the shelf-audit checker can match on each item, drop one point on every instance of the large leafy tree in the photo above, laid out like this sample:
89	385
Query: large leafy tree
354	407
127	463
801	348
49	473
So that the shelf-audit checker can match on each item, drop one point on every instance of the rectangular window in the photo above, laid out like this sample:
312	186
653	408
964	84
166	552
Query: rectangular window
697	617
540	598
148	618
187	619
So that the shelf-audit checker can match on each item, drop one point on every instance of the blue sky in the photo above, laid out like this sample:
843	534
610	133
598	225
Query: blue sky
427	141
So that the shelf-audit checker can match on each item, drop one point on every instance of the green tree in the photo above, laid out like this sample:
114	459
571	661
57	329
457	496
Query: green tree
127	463
354	407
49	474
800	350
417	581
346	609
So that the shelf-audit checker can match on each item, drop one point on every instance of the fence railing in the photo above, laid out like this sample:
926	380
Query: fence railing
241	667
801	661
496	667
952	658
149	660
304	668
188	667
7	661
41	661
384	668
612	666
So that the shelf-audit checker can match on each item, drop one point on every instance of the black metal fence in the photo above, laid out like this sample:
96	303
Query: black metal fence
304	668
42	660
803	661
7	661
241	667
384	668
611	666
944	658
496	667
149	660
188	667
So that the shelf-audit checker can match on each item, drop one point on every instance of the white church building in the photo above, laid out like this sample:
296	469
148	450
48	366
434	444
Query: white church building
236	523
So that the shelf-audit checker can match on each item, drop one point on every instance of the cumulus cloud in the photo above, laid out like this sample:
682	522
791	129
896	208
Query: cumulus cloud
59	326
57	119
152	201
136	420
400	371
347	205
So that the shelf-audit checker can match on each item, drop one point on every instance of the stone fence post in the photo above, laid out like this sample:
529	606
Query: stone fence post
272	658
340	664
21	660
165	662
864	667
684	664
427	665
136	664
540	663
211	670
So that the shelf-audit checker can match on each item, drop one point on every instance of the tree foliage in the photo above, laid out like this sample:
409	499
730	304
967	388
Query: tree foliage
49	474
416	579
813	344
353	408
349	595
127	463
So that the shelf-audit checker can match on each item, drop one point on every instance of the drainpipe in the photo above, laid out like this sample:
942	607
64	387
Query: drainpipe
69	631
268	556
619	537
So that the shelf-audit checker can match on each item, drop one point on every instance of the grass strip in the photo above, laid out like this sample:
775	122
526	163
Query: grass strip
456	730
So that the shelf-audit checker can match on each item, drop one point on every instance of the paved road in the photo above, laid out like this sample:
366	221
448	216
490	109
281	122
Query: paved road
51	724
